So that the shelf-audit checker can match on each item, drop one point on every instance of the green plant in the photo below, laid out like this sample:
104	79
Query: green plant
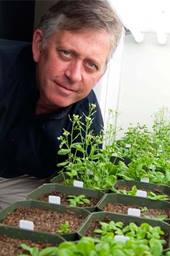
135	141
146	165
78	200
110	229
144	231
161	217
156	196
147	150
64	228
150	194
34	251
167	253
86	160
144	209
106	246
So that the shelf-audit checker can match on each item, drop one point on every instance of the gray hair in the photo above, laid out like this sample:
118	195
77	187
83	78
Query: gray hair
78	14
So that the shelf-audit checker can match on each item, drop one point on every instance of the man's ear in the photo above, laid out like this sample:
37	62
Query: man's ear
36	44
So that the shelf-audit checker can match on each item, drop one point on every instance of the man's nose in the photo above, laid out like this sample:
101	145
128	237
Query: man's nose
74	72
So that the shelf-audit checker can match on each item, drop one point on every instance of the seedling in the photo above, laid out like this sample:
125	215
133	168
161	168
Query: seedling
110	229
78	200
155	196
144	231
144	209
161	217
64	228
150	194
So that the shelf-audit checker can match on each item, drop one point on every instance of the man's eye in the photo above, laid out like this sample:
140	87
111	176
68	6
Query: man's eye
65	54
91	66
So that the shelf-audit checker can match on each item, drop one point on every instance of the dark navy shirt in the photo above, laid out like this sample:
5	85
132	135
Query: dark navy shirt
29	142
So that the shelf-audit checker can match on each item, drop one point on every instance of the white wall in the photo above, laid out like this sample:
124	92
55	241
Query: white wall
107	90
145	80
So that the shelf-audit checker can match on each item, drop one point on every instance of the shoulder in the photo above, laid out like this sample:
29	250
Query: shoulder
15	57
10	49
10	52
10	46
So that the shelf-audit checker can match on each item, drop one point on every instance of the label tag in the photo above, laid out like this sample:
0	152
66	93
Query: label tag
121	238
78	183
26	224
145	179
134	212
54	199
141	193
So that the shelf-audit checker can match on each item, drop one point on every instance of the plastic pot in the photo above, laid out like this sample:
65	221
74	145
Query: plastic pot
38	237
133	202
47	210
50	188
107	216
162	189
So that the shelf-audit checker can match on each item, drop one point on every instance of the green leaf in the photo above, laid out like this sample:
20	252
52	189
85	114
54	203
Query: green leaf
63	151
85	246
49	251
156	247
63	164
78	147
32	250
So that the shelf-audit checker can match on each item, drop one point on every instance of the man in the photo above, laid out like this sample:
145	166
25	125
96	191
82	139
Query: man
42	87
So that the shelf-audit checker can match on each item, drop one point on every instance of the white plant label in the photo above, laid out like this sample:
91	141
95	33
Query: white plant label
134	212
26	224
54	199
141	193
145	179
78	183
121	238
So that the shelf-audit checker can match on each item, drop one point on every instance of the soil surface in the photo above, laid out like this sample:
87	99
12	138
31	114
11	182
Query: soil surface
64	199
44	220
145	212
94	225
11	246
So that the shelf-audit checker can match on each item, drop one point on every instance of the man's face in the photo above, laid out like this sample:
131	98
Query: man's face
69	65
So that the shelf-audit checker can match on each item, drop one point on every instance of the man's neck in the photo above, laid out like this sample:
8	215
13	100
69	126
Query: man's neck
42	108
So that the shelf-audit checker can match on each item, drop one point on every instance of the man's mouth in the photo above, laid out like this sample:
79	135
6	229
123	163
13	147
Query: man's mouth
64	89
73	88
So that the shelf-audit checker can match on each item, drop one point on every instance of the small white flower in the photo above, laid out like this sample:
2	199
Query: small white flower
128	145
